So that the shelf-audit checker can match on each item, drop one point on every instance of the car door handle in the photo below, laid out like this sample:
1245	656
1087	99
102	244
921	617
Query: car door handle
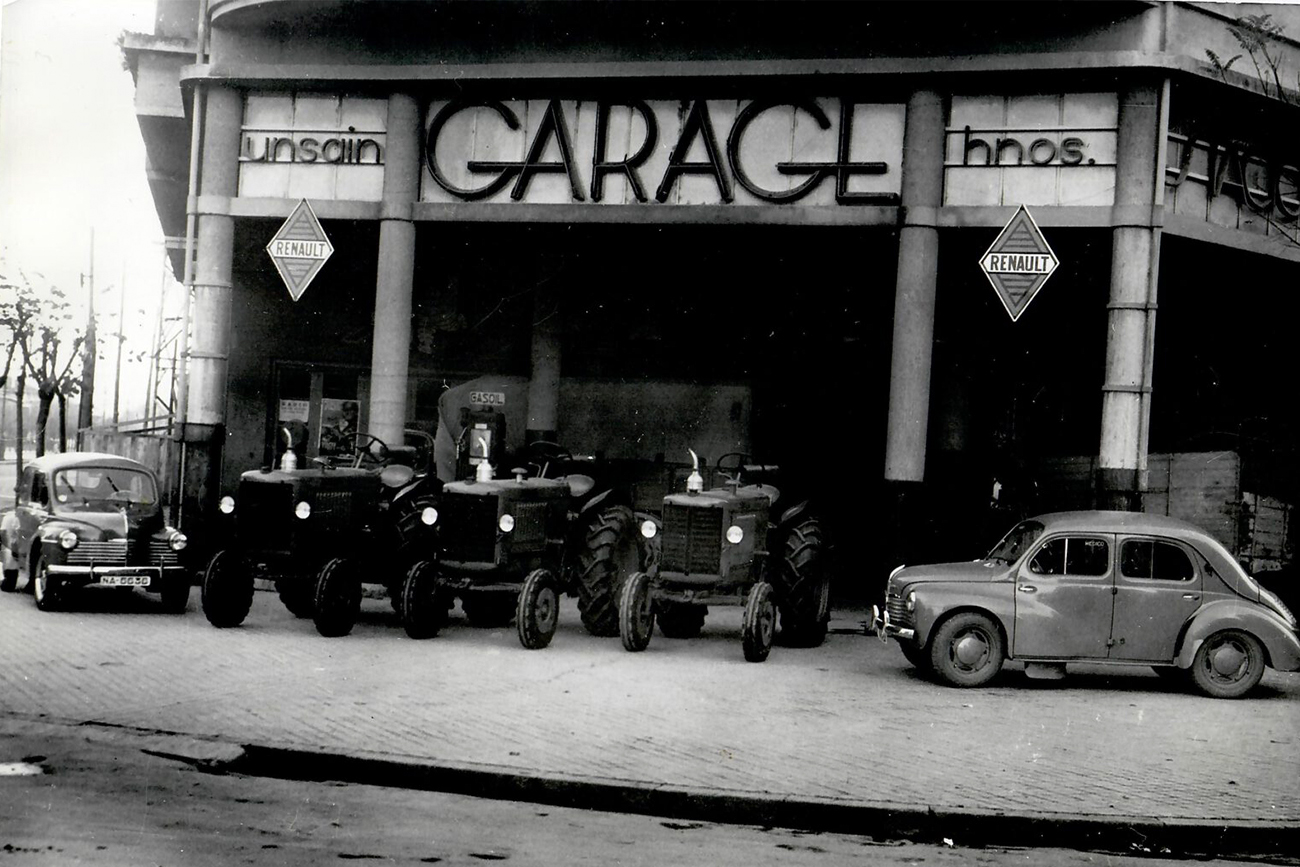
1027	588
1192	596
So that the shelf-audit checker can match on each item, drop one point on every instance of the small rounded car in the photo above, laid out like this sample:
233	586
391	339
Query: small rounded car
85	519
1098	587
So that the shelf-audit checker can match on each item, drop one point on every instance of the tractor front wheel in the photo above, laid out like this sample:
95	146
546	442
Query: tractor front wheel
338	598
538	612
423	604
226	591
759	624
636	612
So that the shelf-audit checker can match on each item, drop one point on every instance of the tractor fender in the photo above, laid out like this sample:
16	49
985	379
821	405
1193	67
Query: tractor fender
1281	643
789	515
605	497
415	485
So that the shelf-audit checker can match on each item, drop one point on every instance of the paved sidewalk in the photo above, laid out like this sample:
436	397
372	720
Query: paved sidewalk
847	729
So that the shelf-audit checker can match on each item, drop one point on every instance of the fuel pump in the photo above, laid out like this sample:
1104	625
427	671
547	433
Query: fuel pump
481	441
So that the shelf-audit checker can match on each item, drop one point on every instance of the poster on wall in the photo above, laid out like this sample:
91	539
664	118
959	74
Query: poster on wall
291	427
339	422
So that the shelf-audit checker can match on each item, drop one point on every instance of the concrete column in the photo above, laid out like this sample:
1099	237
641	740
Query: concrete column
390	357
215	231
544	386
915	289
1131	312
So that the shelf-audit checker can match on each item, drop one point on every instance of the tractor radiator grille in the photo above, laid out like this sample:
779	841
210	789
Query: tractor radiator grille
332	511
112	553
692	540
530	527
898	613
468	529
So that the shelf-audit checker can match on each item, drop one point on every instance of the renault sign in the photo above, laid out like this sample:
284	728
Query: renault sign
1018	263
300	249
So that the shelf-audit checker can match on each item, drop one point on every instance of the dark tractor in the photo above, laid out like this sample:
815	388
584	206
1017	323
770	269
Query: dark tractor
508	548
321	532
738	544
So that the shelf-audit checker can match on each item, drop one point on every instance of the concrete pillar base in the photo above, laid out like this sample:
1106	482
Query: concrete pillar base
1117	489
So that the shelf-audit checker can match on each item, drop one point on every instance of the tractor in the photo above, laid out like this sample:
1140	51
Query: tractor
737	544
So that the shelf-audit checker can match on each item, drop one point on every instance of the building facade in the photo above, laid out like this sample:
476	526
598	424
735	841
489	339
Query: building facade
733	226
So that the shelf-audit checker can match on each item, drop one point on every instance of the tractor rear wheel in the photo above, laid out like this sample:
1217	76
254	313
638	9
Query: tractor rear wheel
226	591
681	619
806	587
488	608
539	609
611	553
296	594
338	598
423	604
759	623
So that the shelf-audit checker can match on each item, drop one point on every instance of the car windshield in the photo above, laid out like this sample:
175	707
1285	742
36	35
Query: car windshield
1015	543
96	489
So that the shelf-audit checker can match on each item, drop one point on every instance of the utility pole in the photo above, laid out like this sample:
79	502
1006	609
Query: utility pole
121	338
84	417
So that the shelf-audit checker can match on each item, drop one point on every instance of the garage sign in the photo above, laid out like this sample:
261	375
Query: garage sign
300	249
1018	263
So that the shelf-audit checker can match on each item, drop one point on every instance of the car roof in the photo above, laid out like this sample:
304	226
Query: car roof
1100	521
62	460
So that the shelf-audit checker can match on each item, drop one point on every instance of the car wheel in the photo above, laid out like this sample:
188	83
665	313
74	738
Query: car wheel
539	609
919	657
611	552
9	581
423	604
680	619
175	594
295	594
1228	664
759	624
806	600
338	598
966	649
226	591
636	612
45	587
488	608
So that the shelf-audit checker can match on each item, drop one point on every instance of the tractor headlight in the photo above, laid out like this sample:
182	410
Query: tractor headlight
227	504
68	540
911	601
429	516
735	534
178	541
507	523
648	529
303	510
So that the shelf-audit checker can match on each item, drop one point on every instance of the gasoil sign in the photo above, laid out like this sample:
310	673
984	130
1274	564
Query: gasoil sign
1018	263
300	249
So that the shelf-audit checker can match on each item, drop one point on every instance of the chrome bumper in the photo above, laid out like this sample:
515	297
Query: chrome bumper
886	630
94	574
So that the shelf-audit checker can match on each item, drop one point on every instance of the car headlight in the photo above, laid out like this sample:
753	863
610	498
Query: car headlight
911	601
68	540
227	504
303	510
648	529
735	534
178	541
429	516
507	523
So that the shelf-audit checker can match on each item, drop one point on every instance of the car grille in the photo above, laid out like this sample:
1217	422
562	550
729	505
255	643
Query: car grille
110	553
692	540
264	512
161	554
898	613
468	528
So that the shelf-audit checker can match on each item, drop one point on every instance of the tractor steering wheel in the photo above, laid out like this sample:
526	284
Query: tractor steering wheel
368	445
542	453
728	469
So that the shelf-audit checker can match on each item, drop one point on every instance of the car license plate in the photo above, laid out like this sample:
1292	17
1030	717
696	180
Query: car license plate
125	580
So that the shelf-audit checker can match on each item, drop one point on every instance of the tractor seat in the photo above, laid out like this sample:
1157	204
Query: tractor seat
404	455
580	485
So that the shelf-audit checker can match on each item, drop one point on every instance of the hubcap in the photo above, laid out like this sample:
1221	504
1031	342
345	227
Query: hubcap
1227	661
970	650
546	608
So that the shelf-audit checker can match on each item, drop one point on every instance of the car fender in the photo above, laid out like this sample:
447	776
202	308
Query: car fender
935	601
1281	643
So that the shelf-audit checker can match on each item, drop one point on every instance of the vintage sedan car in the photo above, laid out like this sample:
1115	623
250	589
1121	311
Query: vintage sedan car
1112	587
84	519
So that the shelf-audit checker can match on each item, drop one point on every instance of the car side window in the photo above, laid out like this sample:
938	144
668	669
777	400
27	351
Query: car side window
40	493
1158	560
1072	556
25	487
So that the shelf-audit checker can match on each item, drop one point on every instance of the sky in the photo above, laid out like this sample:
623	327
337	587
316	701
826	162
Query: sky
72	161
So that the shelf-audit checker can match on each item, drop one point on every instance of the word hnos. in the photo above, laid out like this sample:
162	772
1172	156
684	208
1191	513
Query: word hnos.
1009	151
697	131
1270	188
301	148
